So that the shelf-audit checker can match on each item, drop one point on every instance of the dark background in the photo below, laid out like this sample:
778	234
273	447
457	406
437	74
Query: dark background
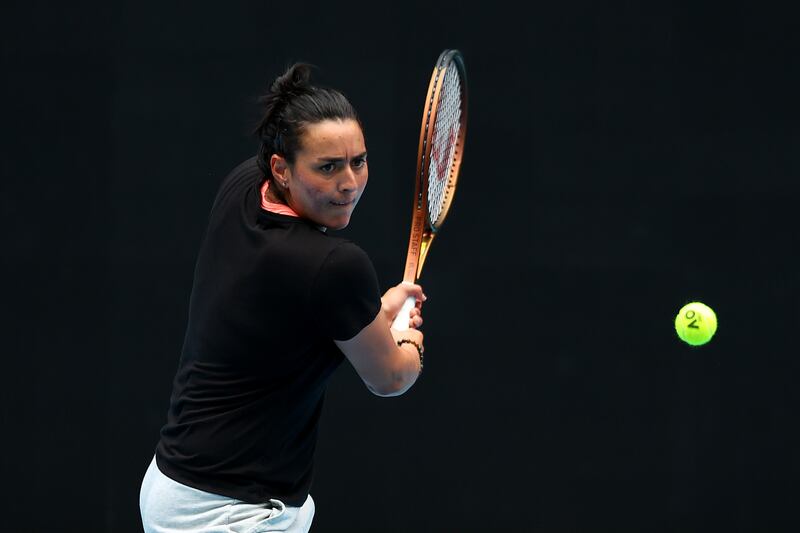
620	162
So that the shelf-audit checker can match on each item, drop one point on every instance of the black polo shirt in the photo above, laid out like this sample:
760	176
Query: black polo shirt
270	294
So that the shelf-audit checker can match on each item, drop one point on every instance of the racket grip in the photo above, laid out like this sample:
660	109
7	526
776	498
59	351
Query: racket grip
403	318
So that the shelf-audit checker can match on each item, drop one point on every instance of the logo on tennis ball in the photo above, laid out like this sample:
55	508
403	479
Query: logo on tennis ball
696	323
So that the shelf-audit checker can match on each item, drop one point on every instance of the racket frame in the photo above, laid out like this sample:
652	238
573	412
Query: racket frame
423	230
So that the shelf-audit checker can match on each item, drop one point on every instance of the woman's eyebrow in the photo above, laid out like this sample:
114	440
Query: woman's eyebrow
337	159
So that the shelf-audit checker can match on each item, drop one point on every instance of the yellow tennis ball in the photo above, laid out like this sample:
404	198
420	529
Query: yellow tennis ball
696	323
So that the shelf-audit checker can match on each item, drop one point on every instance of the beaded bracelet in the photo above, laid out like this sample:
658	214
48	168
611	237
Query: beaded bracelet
419	348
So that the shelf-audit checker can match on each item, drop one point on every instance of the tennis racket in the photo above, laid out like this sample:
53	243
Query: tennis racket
441	148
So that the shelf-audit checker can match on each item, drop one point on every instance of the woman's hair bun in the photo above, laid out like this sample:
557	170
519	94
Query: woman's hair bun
292	82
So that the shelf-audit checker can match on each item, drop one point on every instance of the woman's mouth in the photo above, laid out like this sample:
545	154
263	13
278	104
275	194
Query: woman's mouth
342	204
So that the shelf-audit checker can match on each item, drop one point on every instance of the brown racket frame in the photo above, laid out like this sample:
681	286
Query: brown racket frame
423	229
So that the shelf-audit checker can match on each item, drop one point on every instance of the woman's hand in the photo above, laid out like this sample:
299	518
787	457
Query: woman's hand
393	300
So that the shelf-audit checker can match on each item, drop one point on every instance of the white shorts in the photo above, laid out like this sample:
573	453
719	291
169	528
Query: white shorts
171	507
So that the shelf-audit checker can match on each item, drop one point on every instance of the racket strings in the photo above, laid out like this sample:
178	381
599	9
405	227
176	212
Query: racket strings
444	143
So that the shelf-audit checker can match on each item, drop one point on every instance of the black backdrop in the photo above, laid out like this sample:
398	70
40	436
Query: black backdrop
620	162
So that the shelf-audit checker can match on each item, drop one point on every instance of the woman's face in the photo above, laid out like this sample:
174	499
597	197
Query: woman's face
329	173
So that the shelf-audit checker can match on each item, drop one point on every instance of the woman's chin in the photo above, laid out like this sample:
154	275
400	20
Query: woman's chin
338	223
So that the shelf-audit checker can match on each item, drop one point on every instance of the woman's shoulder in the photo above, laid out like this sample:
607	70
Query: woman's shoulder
242	178
247	171
344	257
247	168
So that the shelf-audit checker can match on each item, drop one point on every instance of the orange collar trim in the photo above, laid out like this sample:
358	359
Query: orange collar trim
274	207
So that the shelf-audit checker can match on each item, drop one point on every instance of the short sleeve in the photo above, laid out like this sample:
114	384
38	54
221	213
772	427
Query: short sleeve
346	296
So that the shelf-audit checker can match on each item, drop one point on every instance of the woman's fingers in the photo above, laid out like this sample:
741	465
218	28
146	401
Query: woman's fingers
415	317
397	295
412	289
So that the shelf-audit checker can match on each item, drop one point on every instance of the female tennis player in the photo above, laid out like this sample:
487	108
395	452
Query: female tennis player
276	305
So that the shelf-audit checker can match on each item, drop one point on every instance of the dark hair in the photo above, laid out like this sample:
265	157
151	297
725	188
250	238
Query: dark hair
290	105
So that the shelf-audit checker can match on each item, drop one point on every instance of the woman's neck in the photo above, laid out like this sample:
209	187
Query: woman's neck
273	203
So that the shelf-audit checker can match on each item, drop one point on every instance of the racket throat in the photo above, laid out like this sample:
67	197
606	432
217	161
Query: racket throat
424	246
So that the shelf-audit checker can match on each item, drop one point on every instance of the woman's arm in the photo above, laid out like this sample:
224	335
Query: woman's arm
386	368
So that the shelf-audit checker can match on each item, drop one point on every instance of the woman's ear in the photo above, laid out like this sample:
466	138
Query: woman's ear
280	170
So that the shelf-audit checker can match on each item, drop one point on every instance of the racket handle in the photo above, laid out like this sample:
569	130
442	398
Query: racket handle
403	318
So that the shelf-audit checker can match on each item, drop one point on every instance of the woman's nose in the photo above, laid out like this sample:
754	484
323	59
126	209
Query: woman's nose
348	181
